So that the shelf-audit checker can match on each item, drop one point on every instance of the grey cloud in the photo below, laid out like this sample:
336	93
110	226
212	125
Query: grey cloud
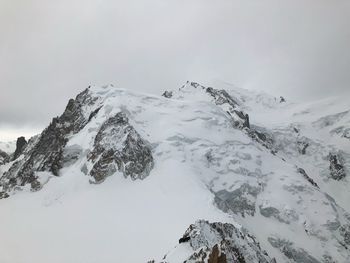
50	50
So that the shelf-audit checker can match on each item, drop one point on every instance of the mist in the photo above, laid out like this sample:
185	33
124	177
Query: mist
51	50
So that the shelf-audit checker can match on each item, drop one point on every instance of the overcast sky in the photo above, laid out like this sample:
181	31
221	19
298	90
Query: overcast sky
51	50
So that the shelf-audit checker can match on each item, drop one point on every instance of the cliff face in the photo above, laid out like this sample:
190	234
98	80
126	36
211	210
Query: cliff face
47	152
118	147
218	243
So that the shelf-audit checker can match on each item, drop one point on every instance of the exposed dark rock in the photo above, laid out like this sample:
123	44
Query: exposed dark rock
93	114
282	99
302	146
263	138
216	256
118	147
240	119
184	239
3	195
196	85
310	180
222	243
46	153
167	94
337	170
244	117
20	145
35	185
346	133
221	97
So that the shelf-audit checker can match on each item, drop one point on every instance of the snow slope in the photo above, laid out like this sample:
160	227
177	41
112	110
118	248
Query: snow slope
208	164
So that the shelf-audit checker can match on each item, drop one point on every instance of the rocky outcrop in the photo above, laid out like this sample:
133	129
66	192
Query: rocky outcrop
302	146
46	152
221	97
240	119
263	138
307	177
167	94
118	147
220	243
20	145
244	117
337	170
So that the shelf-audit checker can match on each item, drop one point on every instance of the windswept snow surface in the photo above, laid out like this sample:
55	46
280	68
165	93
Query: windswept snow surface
204	169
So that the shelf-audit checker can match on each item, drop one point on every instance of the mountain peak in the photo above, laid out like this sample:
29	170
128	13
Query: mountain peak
145	168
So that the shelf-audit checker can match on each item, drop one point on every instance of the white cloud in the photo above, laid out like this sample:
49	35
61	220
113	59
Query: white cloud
51	50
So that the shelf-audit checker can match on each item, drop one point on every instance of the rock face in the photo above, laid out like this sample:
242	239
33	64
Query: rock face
118	147
220	243
310	180
337	170
240	119
167	94
47	152
220	96
20	145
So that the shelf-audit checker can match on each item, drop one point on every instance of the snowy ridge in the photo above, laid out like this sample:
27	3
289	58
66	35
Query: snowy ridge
217	242
215	153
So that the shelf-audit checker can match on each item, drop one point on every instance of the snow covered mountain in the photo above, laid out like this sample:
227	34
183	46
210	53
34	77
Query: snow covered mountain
120	176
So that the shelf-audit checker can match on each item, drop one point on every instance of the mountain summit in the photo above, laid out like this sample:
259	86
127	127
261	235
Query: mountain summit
199	174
